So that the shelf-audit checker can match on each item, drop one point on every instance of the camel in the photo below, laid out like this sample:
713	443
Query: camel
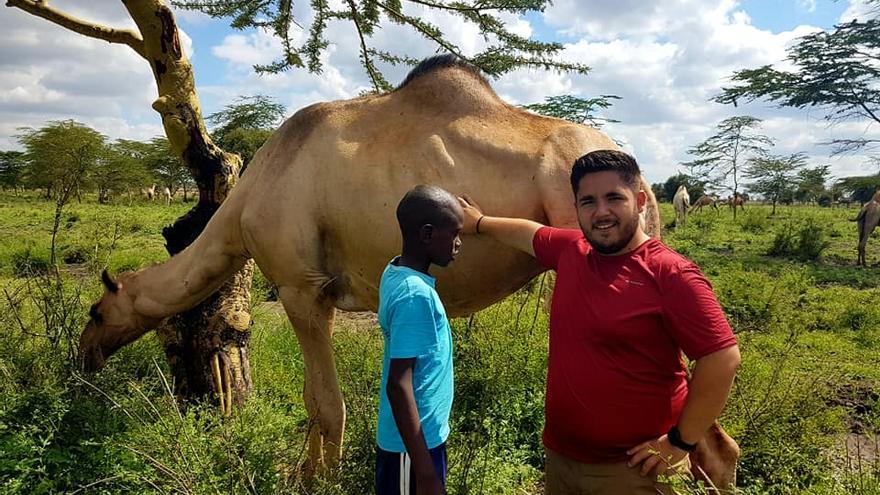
149	192
734	201
704	200
868	218
681	202
167	194
315	209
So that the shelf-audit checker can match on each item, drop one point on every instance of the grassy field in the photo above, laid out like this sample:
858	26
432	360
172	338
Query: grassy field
804	409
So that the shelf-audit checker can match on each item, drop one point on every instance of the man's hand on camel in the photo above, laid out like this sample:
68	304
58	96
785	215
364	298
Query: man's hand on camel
472	214
656	457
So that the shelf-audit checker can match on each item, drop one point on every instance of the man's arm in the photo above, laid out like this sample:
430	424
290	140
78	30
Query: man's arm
517	233
406	416
707	392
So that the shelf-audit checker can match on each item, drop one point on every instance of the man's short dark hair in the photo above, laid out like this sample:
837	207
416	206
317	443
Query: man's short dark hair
605	160
423	205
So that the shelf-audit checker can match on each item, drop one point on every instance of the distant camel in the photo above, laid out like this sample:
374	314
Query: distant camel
868	218
149	192
704	200
167	193
735	201
681	202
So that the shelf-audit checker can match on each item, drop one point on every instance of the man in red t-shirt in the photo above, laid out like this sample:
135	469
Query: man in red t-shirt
619	408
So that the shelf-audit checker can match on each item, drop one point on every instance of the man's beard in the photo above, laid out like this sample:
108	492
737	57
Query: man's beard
626	234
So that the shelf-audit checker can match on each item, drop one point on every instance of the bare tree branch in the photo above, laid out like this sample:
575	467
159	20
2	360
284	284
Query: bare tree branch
80	26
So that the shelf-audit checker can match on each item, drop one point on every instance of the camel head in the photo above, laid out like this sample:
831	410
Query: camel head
113	324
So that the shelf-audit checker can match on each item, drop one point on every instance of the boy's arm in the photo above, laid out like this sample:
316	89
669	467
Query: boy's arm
406	416
517	233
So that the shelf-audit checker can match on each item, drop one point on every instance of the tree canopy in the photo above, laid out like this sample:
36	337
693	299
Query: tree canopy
505	51
837	71
575	109
773	176
242	127
722	155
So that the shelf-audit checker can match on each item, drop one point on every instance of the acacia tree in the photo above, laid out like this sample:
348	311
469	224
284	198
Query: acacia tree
119	169
722	155
575	109
811	184
774	176
837	71
11	168
245	125
203	355
58	156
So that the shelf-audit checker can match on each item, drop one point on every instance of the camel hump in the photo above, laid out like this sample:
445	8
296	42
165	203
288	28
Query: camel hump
438	62
448	82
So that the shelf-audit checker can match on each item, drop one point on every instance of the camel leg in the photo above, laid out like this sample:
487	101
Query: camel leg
311	315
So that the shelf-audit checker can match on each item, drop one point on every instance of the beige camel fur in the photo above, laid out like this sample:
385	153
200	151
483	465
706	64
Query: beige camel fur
704	200
166	193
868	218
149	192
734	201
316	210
681	202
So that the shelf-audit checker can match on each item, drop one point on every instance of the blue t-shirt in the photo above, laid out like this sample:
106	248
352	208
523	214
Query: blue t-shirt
414	325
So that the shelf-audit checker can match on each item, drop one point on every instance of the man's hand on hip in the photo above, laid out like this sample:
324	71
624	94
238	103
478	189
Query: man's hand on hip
656	456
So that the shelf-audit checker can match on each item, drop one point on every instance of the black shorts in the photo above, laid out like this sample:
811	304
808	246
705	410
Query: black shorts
395	474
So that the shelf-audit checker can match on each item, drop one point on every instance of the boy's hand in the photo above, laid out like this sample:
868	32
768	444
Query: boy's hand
472	213
429	484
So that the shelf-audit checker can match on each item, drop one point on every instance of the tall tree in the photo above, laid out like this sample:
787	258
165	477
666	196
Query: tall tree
774	176
242	127
192	345
722	155
120	169
811	184
11	169
860	188
575	109
165	166
58	157
837	71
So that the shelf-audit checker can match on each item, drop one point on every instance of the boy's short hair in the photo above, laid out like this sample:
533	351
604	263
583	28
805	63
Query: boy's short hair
423	205
605	160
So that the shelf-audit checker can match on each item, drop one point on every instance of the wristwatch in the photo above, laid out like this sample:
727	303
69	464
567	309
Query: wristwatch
674	437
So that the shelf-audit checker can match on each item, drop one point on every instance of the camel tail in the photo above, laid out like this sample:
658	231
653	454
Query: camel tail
859	217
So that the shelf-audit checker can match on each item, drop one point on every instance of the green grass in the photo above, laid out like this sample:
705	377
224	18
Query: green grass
809	332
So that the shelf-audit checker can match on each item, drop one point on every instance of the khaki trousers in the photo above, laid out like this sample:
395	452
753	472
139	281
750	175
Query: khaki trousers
566	476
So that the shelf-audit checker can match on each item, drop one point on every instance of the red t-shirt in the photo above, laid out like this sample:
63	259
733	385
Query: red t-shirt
618	326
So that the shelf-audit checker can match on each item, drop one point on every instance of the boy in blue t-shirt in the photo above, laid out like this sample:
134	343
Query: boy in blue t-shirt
417	382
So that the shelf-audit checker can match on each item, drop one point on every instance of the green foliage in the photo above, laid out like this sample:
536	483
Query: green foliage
755	222
59	155
11	169
860	189
575	109
667	190
833	70
809	334
774	176
506	51
244	126
806	243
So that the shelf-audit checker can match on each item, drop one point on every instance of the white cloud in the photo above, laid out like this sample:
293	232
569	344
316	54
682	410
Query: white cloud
666	59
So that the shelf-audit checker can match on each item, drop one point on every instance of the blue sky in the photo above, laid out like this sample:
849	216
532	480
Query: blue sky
665	59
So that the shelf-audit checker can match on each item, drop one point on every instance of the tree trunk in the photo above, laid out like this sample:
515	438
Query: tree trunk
207	346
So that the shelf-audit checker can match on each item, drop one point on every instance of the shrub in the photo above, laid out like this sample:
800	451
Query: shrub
29	262
754	222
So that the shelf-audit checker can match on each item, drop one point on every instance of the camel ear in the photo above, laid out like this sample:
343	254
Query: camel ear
109	283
